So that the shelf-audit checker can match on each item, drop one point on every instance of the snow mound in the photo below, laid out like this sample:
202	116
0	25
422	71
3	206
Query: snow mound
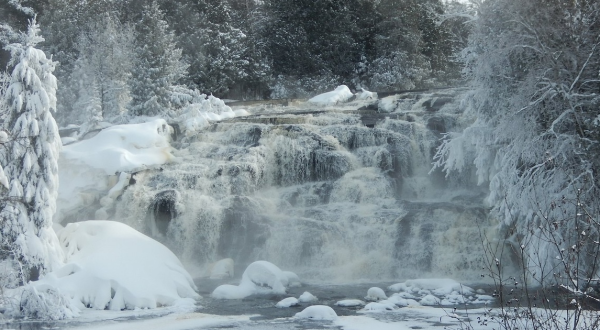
287	302
340	94
430	300
196	116
112	266
375	293
317	312
124	148
260	277
435	292
228	291
381	306
307	297
221	269
399	301
350	303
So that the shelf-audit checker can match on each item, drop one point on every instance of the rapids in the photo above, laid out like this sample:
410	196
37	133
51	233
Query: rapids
338	193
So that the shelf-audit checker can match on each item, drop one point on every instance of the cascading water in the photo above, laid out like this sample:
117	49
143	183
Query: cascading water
332	194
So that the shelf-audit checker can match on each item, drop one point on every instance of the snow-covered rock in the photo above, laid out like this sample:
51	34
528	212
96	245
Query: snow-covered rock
375	293
307	297
366	95
381	306
431	292
260	277
340	94
112	266
430	300
198	115
317	312
266	277
287	302
228	291
350	303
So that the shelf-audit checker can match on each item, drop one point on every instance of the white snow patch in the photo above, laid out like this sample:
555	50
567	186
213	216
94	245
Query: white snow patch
350	303
364	323
287	302
317	312
307	297
112	266
381	306
124	148
340	94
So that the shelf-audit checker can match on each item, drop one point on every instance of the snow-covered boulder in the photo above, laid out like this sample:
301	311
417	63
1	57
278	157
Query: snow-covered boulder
430	300
350	303
228	291
266	277
381	306
307	297
375	293
287	302
260	277
112	266
366	95
317	312
340	94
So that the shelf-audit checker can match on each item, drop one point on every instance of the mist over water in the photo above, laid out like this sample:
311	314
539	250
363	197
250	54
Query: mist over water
335	195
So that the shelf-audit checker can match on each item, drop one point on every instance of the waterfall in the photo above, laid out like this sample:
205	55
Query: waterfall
318	192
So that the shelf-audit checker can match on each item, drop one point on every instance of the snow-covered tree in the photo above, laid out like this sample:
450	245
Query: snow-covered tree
535	138
157	65
103	67
30	162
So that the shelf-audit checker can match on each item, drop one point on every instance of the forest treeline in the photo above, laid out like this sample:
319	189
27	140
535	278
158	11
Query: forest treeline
245	49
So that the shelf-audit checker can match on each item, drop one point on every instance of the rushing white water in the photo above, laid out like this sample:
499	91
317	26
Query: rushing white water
318	192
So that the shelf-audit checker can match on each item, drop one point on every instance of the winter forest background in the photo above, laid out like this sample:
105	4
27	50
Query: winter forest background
531	68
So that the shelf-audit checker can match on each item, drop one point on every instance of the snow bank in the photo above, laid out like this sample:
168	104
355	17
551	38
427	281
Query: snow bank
124	148
317	312
87	168
340	94
260	277
112	266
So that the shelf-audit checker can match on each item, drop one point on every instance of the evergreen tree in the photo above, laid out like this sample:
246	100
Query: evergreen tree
223	49
30	161
157	65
